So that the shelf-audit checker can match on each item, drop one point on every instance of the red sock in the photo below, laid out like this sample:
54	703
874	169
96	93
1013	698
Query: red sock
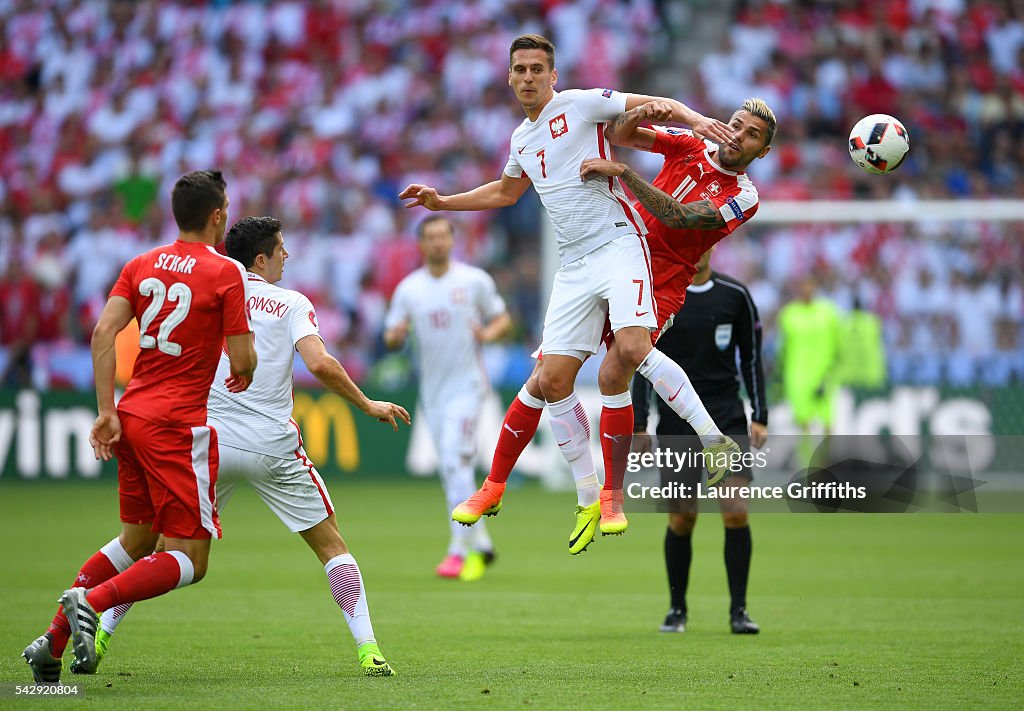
95	571
517	430
616	438
154	575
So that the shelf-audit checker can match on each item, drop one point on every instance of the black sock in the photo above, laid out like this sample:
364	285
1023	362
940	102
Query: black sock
678	552
738	548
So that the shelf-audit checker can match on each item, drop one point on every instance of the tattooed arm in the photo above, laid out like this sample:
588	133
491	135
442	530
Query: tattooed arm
700	215
624	130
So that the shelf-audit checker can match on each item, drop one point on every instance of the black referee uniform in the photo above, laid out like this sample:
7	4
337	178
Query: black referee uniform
716	338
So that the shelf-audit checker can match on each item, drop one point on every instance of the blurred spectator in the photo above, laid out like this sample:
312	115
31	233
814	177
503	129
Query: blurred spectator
19	325
321	111
861	349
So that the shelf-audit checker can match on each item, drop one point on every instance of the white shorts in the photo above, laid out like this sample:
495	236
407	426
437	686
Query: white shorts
292	488
452	425
612	283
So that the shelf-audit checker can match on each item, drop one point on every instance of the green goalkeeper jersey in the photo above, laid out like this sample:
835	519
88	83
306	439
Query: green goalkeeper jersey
810	344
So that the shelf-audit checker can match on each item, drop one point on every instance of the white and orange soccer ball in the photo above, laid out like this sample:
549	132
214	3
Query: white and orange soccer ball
879	143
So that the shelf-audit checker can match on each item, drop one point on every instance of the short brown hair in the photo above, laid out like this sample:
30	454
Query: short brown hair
195	197
533	42
421	229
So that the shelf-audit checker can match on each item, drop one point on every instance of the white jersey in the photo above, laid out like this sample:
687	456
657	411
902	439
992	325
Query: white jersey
442	312
259	418
570	129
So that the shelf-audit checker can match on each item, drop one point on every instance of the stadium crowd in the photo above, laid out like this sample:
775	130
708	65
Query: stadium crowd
949	294
319	112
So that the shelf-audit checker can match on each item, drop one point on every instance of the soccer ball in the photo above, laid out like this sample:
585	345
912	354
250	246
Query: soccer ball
879	143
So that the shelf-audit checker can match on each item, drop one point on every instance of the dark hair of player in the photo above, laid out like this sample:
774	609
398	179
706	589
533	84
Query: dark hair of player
533	42
195	197
250	237
421	229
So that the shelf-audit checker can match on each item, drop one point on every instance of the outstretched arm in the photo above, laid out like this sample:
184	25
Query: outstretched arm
681	113
334	377
700	215
497	193
625	129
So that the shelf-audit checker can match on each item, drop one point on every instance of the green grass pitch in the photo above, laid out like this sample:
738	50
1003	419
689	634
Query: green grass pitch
856	611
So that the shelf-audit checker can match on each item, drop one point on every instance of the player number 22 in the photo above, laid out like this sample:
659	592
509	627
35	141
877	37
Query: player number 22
177	292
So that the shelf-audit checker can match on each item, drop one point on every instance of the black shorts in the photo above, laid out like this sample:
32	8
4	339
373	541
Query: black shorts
675	435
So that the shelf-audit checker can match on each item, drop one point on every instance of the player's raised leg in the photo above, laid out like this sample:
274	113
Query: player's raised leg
518	428
616	437
571	429
623	266
673	386
622	275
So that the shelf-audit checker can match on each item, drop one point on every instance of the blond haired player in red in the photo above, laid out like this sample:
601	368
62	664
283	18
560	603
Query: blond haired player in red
190	302
604	275
700	196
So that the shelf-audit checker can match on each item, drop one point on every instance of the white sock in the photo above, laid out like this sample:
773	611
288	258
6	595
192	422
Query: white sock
188	571
117	555
121	561
529	400
672	385
111	618
571	428
347	587
588	490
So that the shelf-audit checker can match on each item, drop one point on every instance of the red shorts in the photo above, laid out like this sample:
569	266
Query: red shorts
166	477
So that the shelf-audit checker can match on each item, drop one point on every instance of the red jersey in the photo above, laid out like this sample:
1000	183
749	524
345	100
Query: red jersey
690	175
187	298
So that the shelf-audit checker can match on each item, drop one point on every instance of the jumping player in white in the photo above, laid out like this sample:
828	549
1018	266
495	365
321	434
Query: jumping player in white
260	443
604	276
450	308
